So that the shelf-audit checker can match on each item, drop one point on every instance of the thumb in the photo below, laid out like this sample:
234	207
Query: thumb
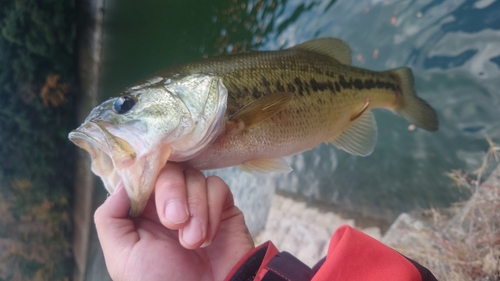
117	205
114	228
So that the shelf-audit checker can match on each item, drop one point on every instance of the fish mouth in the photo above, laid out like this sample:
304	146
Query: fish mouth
114	159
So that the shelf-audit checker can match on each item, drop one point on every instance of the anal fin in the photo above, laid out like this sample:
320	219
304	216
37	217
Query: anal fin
277	165
360	137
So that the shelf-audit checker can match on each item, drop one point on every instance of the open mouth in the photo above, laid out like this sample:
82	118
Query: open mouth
91	137
114	160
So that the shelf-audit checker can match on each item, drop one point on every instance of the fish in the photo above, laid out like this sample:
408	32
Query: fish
247	110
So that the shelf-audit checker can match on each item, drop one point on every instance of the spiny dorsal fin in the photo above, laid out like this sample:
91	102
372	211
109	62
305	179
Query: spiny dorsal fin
331	47
277	165
360	137
262	108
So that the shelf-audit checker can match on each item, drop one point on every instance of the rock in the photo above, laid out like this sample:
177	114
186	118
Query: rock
303	229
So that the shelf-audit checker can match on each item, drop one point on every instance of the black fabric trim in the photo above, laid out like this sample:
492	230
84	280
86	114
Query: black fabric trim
318	265
424	272
285	267
272	276
248	269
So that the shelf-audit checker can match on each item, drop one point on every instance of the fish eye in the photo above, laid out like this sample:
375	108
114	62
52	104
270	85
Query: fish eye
123	104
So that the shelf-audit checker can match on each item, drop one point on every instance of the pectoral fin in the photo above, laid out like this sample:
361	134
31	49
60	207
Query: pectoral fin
360	137
361	110
262	109
277	165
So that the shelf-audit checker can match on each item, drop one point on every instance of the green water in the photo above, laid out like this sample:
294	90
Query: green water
452	46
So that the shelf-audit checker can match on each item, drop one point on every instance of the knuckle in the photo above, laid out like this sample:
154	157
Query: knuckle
193	175
195	201
170	186
216	182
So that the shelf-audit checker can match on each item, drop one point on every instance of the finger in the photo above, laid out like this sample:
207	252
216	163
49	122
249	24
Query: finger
193	234
171	197
150	211
219	197
114	229
117	205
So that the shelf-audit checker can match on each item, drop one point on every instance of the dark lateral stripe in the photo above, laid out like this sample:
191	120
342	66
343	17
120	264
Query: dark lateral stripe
265	82
256	93
366	84
358	84
280	87
305	87
342	83
321	86
300	86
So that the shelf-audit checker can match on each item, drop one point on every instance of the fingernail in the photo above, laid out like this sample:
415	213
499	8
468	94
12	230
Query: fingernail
192	233
206	243
175	212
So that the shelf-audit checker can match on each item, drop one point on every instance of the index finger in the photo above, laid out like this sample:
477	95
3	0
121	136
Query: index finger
171	197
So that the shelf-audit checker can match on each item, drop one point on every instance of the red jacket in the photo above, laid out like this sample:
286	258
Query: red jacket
352	255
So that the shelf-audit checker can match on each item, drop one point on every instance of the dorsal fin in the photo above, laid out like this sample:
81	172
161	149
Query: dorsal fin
331	47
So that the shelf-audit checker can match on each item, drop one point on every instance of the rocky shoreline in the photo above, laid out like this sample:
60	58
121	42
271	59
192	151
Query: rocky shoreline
457	243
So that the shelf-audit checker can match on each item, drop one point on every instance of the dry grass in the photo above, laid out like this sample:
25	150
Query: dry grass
462	242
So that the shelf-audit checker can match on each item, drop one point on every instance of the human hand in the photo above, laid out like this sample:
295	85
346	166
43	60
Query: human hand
200	237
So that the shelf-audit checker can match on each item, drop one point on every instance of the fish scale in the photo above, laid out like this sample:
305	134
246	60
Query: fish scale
316	107
248	110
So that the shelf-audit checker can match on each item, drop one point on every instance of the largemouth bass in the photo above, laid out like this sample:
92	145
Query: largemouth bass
248	110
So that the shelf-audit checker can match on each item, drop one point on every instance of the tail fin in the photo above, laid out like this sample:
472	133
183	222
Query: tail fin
413	108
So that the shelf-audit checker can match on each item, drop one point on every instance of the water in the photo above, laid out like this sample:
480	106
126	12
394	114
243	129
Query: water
453	47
